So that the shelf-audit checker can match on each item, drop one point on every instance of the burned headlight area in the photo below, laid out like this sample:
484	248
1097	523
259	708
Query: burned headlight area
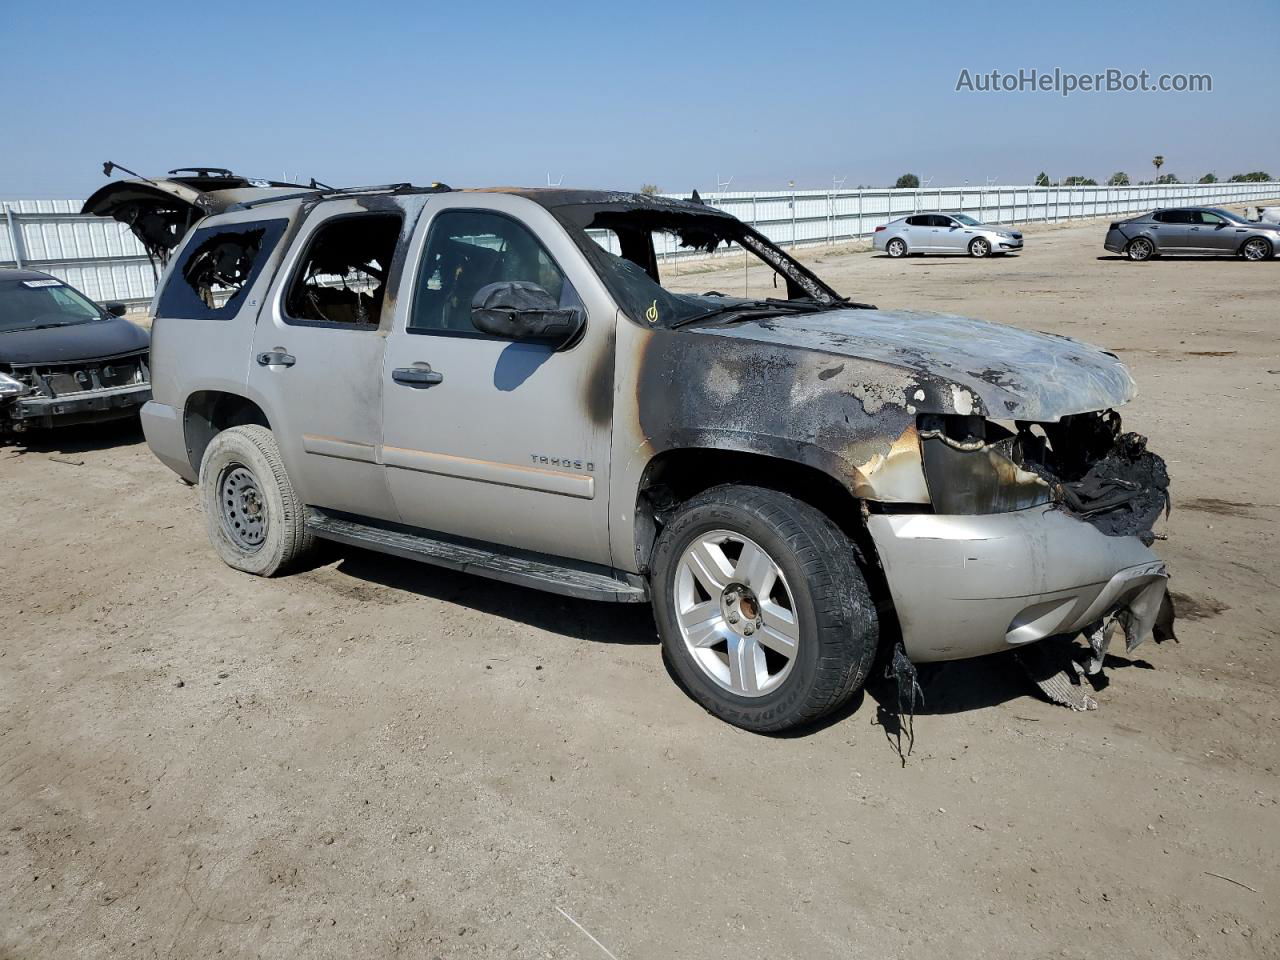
1082	464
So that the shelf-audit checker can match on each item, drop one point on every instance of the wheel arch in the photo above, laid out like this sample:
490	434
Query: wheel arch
208	412
679	474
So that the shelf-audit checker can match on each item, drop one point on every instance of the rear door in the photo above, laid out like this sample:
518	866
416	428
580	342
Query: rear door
1171	229
490	439
316	367
920	234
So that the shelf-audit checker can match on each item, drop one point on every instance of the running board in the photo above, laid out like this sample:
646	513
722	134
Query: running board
485	561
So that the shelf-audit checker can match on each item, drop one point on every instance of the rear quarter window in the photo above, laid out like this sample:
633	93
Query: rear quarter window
217	268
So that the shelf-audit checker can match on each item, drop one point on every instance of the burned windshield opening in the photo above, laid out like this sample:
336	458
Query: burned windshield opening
629	245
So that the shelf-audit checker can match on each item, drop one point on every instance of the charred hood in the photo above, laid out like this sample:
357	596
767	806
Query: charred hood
938	363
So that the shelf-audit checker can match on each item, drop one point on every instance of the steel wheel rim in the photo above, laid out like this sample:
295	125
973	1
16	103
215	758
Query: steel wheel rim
736	613
1254	249
242	508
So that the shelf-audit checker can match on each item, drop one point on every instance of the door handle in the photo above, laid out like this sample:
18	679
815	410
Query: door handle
276	358
422	376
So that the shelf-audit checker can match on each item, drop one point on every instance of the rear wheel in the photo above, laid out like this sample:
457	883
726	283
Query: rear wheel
897	247
979	247
764	615
255	520
1256	249
1139	250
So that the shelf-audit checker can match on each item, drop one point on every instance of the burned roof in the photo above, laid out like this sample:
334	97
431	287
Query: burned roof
559	197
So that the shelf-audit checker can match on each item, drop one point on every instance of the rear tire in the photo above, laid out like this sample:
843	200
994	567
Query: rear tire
1140	250
895	248
797	650
255	520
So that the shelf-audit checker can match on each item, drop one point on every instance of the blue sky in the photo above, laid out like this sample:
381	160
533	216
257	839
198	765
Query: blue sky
617	95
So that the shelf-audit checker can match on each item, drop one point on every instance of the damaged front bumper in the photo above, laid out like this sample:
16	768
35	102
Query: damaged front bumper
966	586
112	403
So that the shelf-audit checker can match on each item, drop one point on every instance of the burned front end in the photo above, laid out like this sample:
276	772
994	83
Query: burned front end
48	394
1036	529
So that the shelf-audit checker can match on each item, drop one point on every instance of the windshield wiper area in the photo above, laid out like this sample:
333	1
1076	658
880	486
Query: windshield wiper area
770	306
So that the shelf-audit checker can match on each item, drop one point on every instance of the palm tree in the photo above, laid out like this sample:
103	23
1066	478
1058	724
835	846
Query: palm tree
1158	161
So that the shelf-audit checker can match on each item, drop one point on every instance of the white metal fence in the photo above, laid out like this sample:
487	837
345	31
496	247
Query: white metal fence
102	258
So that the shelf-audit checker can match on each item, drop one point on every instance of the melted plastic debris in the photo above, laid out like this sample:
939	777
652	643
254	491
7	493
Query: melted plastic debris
1052	668
903	672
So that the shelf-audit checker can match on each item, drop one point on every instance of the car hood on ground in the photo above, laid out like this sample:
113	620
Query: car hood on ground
79	341
992	369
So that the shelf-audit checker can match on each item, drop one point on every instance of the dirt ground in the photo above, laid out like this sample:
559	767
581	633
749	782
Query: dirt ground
379	759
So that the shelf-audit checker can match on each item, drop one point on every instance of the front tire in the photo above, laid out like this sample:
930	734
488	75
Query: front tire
895	248
1140	250
764	615
1256	249
255	520
979	247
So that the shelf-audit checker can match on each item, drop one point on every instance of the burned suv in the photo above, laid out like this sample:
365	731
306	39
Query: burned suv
503	382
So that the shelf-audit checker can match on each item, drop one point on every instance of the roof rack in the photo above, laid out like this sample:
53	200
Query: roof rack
203	172
335	193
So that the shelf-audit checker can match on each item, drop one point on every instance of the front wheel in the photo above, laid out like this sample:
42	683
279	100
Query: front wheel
897	247
979	247
1256	249
255	519
764	615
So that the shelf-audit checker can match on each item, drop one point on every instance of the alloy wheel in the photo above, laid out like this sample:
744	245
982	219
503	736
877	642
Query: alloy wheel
1255	249
736	613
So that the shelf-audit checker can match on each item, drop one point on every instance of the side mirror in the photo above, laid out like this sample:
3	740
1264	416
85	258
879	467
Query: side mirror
520	310
955	226
115	309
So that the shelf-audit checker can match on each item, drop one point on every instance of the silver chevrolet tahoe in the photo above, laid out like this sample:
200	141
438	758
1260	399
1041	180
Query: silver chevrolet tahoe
502	382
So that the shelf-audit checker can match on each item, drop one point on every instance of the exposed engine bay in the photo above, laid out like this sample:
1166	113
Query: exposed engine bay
1082	464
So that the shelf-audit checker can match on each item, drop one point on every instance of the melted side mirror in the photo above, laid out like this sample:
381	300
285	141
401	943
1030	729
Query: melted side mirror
520	310
115	309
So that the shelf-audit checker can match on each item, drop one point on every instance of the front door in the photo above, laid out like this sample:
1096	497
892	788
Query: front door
953	237
1213	234
492	439
316	367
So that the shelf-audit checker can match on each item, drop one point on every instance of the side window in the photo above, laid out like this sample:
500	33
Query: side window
470	249
217	268
940	221
1209	219
342	278
920	220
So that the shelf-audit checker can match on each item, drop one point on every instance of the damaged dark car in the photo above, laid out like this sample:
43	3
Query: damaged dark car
65	360
507	382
